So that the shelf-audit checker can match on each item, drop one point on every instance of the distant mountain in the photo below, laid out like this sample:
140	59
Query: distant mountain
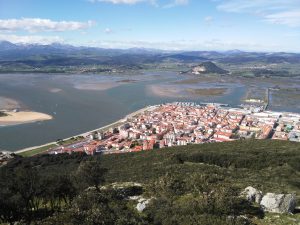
206	68
61	57
6	46
182	57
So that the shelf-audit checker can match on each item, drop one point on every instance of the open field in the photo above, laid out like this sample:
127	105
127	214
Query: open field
36	151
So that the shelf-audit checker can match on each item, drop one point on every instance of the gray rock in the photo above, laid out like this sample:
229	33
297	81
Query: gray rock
142	204
252	194
278	203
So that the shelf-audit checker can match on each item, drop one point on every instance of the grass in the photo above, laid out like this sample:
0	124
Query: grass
36	151
71	140
279	219
268	165
207	91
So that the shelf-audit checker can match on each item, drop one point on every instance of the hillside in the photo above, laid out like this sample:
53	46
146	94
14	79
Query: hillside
198	184
207	68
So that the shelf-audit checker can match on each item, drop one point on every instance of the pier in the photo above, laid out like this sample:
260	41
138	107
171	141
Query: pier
267	99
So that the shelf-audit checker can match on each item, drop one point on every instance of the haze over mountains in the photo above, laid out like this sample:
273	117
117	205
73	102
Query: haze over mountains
31	52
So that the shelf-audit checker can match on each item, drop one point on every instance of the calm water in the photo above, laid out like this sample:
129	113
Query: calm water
76	111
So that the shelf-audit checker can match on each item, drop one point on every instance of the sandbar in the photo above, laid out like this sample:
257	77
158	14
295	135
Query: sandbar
127	81
55	90
170	91
96	86
14	118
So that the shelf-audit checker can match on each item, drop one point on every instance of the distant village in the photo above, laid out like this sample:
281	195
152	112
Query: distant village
180	124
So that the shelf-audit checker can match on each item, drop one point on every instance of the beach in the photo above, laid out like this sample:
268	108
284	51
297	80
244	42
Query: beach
96	86
14	118
166	90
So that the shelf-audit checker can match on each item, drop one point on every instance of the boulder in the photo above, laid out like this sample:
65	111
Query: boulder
252	194
142	204
278	203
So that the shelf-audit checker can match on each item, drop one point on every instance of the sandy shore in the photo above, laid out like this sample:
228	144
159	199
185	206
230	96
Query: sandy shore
21	117
55	90
170	91
96	86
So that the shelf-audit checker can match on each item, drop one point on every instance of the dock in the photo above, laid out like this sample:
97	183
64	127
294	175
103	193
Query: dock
267	99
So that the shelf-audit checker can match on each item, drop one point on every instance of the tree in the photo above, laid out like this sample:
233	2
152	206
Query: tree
91	173
26	184
57	189
12	205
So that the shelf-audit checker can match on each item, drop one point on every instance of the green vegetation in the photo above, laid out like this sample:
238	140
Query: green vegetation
2	114
69	141
196	184
47	147
36	151
207	91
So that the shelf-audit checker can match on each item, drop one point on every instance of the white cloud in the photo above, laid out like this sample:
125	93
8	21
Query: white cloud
208	19
171	3
130	2
285	12
37	24
176	3
181	2
255	6
108	31
290	18
30	39
191	45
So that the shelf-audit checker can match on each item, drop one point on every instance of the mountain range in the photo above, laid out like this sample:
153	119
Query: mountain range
35	57
9	50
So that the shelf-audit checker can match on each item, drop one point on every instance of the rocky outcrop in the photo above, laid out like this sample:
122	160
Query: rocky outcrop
142	204
206	68
6	156
278	203
252	194
271	202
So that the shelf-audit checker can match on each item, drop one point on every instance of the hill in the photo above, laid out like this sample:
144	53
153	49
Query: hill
197	184
62	58
206	68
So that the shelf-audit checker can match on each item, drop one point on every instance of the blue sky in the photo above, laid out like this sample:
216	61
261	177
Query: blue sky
253	25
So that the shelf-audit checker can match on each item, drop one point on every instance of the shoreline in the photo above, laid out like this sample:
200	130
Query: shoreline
120	121
45	147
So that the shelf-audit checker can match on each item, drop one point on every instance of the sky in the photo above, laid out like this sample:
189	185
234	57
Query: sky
250	25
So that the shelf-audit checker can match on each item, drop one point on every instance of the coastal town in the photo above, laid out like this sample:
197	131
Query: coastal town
184	123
